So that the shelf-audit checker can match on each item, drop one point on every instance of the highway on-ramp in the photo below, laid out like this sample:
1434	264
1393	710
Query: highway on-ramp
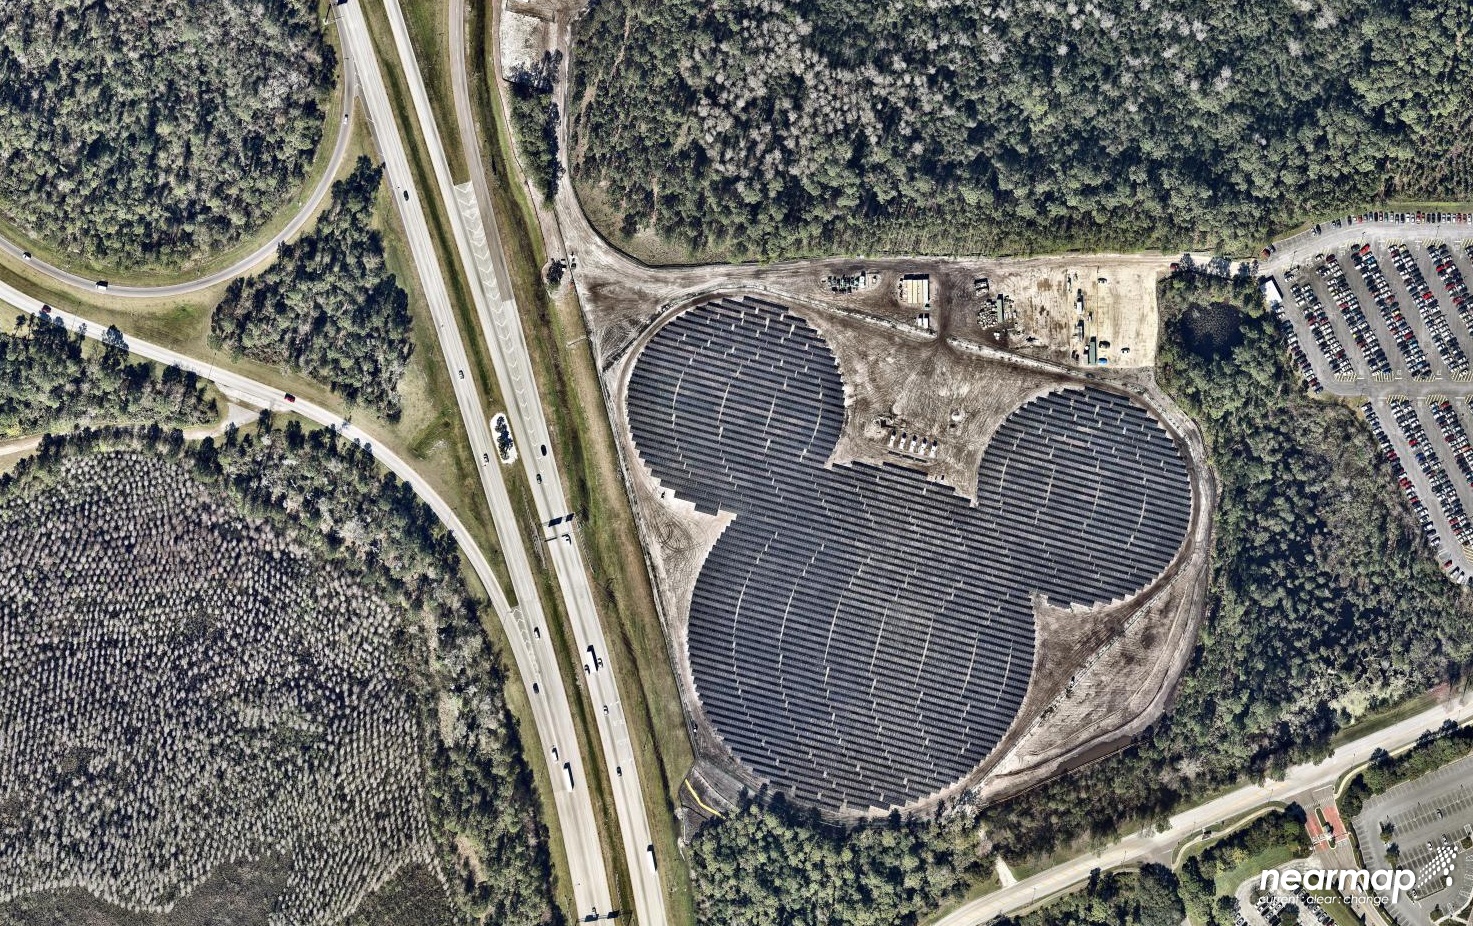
532	649
547	696
304	214
468	206
535	655
1141	847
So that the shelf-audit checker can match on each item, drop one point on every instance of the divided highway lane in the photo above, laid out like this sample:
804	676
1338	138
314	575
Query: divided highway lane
534	650
513	363
548	698
484	265
1135	849
267	248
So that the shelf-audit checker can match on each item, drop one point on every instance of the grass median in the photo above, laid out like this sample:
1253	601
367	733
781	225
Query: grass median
572	396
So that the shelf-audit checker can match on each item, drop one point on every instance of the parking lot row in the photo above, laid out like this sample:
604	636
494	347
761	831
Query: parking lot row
1429	459
1389	306
1405	312
1432	529
1270	905
1398	321
1434	320
1333	277
1296	350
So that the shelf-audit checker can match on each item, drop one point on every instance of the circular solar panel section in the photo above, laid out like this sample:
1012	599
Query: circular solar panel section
861	637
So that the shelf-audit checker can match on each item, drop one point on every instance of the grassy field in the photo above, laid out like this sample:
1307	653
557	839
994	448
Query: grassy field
1380	720
1228	881
167	275
565	371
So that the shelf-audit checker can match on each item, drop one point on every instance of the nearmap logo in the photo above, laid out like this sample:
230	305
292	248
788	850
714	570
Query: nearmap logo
1343	880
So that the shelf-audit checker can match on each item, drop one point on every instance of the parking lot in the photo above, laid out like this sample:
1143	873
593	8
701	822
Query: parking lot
1430	822
1263	908
1389	319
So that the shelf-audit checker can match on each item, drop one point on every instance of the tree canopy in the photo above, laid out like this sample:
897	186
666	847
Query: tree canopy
1324	599
328	307
50	381
769	864
155	132
325	534
768	128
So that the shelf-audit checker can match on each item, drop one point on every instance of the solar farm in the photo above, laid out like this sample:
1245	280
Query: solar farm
859	635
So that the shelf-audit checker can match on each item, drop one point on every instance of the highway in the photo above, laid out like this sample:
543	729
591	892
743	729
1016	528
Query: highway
1137	848
514	371
305	211
484	265
533	648
548	696
1300	780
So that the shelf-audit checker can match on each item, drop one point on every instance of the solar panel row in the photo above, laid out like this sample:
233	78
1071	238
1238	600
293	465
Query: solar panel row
859	636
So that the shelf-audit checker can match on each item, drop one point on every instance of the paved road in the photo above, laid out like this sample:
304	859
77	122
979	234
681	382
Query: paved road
1442	383
1425	811
513	364
305	212
548	699
1300	780
1303	247
532	647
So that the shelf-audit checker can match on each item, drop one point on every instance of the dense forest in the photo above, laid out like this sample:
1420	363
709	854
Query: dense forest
152	133
328	307
50	381
1323	602
1118	898
759	129
771	863
535	118
322	510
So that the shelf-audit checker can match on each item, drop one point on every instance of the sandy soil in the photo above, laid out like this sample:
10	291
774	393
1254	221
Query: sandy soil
1036	316
523	38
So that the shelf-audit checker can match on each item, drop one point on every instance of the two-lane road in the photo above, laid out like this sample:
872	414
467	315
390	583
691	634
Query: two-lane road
1300	780
306	210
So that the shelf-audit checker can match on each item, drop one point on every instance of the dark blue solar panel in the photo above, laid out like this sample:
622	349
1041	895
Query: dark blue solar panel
862	637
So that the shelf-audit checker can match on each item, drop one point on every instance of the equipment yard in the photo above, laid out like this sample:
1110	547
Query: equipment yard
1049	308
